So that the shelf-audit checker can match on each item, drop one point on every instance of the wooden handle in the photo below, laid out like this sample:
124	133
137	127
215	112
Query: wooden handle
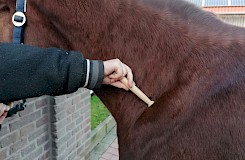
138	92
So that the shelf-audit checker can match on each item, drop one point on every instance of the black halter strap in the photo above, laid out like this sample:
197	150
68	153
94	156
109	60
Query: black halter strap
18	20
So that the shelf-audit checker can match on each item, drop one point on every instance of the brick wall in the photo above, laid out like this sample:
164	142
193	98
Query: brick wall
49	128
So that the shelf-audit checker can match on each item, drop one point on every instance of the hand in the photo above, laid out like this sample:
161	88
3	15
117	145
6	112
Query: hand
3	111
114	71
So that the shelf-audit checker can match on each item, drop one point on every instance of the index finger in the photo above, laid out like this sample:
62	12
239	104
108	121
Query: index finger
129	76
2	108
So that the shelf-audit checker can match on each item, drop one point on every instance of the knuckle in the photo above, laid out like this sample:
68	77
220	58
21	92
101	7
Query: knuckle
118	61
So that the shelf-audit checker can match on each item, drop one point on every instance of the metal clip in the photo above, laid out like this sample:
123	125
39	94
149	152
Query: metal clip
19	19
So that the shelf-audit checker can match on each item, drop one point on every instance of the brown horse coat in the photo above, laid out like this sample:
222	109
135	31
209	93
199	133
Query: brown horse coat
188	61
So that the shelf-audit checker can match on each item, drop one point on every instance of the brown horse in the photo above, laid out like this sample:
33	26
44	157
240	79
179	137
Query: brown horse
188	61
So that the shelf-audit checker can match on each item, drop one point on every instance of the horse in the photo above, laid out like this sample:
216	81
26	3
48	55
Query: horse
185	59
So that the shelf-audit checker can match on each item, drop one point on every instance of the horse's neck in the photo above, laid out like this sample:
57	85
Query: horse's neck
136	35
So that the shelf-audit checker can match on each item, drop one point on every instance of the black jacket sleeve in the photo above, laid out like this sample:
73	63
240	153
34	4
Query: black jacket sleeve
27	71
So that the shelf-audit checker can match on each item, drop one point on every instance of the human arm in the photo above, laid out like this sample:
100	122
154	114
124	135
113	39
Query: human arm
28	71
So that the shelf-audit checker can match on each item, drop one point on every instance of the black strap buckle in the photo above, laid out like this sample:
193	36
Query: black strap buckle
19	107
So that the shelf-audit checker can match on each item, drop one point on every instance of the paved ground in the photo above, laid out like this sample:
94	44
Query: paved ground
107	149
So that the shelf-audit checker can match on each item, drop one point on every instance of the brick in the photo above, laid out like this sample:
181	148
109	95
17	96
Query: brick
57	109
52	101
15	157
109	139
37	133
61	157
69	119
41	103
47	154
3	154
34	154
59	150
80	142
85	109
84	153
4	131
42	121
79	120
66	152
76	99
110	123
114	145
61	124
45	110
31	100
60	116
28	110
115	157
87	129
113	151
64	130
12	138
80	105
70	110
75	115
80	134
71	141
80	149
70	126
18	145
72	156
68	103
24	120
60	99
42	157
14	117
87	143
107	155
87	100
71	95
58	132
47	146
42	140
87	114
27	150
24	131
84	124
63	139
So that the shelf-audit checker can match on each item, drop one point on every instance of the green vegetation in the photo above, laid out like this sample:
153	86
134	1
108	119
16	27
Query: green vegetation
98	112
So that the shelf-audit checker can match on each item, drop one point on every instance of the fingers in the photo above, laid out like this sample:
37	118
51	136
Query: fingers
129	76
119	84
3	108
114	71
115	83
119	71
3	111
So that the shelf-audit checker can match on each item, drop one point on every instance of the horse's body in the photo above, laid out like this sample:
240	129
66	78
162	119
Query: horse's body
189	62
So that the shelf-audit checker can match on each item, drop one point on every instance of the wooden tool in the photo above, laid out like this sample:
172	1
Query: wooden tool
138	92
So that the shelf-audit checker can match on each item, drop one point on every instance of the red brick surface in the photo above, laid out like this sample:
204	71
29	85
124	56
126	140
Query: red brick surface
112	152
